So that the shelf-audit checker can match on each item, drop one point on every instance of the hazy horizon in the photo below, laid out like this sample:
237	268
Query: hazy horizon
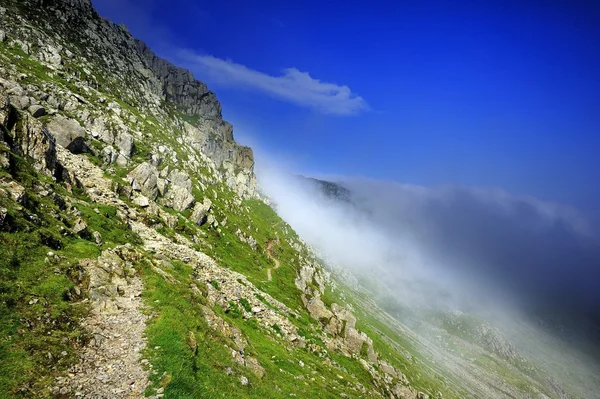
524	265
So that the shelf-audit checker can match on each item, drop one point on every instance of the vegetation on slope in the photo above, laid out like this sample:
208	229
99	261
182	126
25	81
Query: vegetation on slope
40	278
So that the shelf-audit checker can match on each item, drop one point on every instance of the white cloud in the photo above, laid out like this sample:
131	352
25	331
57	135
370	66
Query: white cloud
293	85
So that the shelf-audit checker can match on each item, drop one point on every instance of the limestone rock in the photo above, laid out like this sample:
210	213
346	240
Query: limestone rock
3	213
37	111
97	238
109	155
179	194
65	130
34	140
21	102
125	144
179	86
317	309
80	227
344	315
404	392
199	215
144	178
141	201
388	369
179	198
180	179
14	189
255	366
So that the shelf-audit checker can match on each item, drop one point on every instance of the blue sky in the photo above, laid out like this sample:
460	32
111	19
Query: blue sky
473	93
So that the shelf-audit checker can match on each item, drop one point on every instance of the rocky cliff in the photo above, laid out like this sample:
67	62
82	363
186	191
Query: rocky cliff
115	89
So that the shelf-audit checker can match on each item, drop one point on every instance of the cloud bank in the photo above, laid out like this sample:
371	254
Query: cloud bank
292	85
540	254
468	248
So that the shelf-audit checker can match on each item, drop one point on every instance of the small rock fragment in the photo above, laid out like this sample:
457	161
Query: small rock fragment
37	111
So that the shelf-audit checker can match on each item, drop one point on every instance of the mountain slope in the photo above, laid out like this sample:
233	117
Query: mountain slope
135	250
137	258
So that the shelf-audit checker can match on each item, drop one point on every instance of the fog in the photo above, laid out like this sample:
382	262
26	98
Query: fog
484	251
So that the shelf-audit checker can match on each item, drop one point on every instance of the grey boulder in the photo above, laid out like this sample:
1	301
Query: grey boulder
65	130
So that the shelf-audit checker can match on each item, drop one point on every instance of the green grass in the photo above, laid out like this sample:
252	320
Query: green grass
200	370
25	64
246	305
39	310
104	219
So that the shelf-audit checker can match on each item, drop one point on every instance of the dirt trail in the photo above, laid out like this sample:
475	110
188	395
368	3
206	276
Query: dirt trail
110	366
270	255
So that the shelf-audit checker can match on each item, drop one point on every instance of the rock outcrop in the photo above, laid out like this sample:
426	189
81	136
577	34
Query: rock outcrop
26	136
116	73
336	320
178	86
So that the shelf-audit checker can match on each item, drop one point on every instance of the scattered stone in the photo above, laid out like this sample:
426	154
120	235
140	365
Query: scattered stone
141	201
37	111
110	366
80	227
243	380
3	213
97	237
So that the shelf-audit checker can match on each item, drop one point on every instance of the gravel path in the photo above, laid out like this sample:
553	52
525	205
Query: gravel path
270	255
110	365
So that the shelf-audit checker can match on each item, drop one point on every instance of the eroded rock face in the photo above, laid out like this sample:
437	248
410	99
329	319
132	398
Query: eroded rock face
27	136
144	81
35	141
179	86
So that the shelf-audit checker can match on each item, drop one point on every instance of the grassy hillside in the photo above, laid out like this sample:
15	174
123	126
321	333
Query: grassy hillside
144	263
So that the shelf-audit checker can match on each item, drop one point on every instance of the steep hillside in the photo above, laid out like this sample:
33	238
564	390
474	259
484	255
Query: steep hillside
136	257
